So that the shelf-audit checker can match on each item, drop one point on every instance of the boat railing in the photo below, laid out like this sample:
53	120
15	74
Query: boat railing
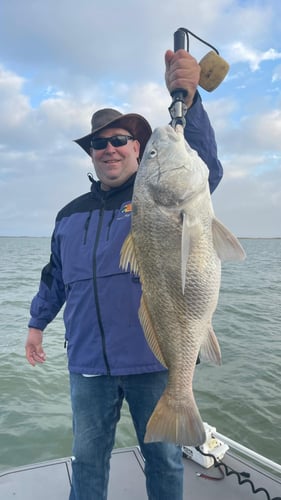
250	454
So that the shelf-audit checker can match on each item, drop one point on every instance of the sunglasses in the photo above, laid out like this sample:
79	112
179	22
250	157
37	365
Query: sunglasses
116	140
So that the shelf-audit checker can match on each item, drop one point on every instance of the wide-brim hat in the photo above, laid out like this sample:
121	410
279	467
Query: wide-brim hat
136	125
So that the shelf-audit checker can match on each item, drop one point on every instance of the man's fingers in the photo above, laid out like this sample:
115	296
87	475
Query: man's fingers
34	356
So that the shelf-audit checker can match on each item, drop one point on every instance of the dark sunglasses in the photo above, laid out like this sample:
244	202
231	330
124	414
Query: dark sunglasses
116	140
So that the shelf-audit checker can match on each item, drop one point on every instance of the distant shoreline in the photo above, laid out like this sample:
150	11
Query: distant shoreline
239	237
259	237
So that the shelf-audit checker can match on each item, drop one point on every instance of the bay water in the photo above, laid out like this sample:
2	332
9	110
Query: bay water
241	398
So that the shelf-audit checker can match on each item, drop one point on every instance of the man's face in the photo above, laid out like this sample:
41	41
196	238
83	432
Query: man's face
114	165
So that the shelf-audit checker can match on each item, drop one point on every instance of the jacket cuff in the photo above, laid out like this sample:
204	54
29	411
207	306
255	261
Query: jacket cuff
38	324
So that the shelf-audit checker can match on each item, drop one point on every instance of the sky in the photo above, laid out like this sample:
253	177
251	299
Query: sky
62	60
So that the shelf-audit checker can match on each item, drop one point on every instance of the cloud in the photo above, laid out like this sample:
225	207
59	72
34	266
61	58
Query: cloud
276	74
13	104
238	52
248	204
240	130
61	61
64	40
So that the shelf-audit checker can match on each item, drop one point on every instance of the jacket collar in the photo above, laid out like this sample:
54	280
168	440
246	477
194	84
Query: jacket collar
96	187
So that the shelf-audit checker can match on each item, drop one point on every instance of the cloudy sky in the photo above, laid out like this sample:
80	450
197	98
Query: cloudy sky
61	60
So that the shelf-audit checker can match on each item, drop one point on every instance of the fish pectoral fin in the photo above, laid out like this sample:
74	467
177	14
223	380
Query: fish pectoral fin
210	349
128	255
149	332
190	232
185	248
226	244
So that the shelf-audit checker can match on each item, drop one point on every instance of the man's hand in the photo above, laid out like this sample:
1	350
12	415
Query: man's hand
33	347
182	71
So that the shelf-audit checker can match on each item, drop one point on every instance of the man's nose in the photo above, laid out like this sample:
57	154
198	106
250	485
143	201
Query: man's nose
109	147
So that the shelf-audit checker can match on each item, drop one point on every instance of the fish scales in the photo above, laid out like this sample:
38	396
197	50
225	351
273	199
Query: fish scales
176	246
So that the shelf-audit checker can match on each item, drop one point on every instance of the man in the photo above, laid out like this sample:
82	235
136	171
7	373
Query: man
108	357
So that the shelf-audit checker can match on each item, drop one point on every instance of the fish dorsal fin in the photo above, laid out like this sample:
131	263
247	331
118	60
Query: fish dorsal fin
149	332
210	349
226	244
128	255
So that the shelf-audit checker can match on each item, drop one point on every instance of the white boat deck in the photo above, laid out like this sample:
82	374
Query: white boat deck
51	480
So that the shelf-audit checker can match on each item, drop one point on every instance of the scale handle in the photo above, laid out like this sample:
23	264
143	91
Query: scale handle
177	108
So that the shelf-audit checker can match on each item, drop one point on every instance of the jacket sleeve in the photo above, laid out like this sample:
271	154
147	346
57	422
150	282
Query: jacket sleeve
51	295
201	137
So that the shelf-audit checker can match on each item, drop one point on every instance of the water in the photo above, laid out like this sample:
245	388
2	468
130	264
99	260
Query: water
242	398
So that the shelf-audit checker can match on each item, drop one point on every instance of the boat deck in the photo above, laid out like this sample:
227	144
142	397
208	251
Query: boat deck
127	481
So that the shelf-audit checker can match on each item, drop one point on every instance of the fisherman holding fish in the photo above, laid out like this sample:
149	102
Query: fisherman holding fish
109	357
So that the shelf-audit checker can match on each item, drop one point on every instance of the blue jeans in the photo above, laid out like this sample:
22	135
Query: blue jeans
96	405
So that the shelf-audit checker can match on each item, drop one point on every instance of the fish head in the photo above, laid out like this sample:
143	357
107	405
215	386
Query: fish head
171	170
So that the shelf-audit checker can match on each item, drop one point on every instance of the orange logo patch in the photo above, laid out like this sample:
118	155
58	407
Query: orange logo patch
126	209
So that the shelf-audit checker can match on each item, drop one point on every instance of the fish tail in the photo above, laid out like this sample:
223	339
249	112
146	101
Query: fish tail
175	422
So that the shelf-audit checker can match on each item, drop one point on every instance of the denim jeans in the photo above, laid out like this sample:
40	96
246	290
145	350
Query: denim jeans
96	404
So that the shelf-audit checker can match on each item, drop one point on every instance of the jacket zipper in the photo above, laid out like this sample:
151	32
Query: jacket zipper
86	226
101	214
109	225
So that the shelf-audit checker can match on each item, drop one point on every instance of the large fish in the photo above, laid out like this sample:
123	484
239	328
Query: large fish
176	245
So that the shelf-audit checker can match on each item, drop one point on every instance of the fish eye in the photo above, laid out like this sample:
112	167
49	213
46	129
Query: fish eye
153	153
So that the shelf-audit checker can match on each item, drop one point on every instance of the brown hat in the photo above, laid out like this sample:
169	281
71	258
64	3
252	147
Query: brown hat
134	123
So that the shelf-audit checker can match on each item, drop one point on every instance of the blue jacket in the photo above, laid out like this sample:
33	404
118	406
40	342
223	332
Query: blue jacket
103	332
